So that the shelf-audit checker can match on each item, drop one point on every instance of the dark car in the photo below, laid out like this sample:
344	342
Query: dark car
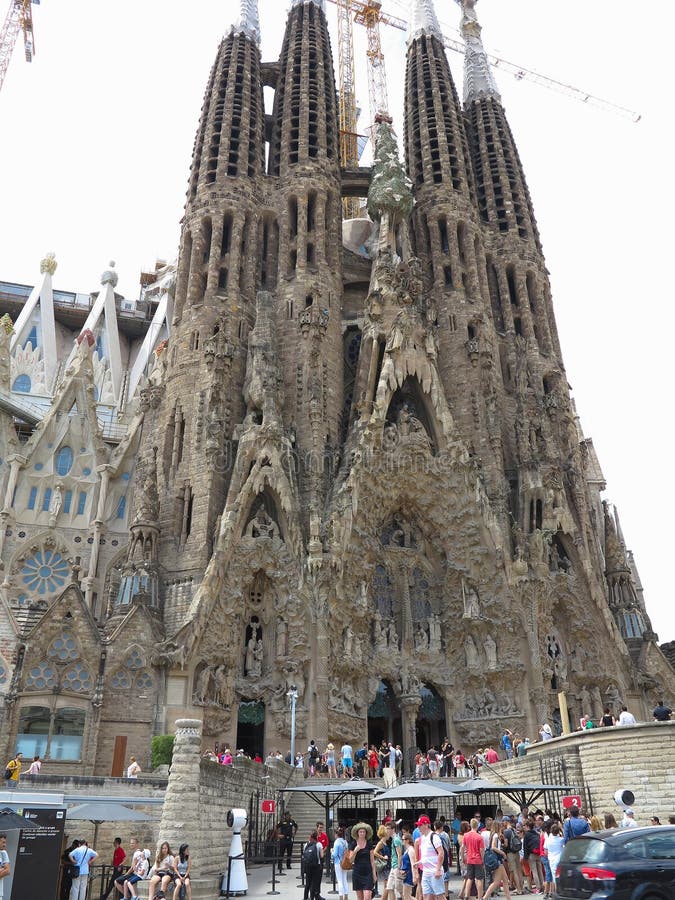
621	864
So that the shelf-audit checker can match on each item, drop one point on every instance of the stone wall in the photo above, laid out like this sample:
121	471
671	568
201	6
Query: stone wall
603	760
200	793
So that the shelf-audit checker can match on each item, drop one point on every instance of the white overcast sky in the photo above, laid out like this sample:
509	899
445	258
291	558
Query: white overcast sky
95	143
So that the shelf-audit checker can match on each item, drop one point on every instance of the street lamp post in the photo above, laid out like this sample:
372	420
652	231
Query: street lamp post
292	695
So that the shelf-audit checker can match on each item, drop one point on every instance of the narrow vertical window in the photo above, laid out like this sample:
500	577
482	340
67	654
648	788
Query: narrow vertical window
32	498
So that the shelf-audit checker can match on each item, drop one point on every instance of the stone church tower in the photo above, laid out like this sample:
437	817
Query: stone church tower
360	472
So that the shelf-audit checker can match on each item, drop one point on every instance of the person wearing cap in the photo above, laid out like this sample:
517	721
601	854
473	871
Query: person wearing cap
431	857
628	820
364	873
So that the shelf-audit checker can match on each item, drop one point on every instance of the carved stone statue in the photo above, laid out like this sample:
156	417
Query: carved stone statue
490	652
282	638
261	525
471	653
392	636
256	670
201	692
471	602
348	640
57	501
379	634
421	639
434	633
249	664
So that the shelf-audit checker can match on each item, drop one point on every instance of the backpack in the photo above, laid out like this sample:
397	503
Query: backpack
515	843
446	848
314	752
310	854
8	773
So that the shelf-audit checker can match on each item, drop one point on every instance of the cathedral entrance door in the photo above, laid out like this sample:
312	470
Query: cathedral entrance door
384	717
251	727
431	727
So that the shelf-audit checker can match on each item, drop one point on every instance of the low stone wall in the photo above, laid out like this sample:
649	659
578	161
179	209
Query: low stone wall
637	757
199	795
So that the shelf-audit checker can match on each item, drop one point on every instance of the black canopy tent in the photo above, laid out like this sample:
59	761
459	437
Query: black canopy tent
520	794
328	795
421	791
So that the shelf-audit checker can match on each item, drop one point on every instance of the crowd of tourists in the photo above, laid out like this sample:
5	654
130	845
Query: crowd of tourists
513	854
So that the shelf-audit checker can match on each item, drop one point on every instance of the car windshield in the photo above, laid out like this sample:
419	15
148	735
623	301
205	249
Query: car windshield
585	850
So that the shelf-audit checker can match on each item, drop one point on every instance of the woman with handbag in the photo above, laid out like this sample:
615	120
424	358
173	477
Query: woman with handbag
342	863
163	870
382	856
493	860
181	867
362	858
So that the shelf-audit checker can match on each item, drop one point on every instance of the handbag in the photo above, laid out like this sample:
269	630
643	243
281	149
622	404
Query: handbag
346	861
72	871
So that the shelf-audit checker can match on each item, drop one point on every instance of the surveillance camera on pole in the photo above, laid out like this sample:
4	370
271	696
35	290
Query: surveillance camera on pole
236	820
292	695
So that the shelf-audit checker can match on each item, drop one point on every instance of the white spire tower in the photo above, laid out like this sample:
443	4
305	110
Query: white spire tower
423	21
478	79
249	20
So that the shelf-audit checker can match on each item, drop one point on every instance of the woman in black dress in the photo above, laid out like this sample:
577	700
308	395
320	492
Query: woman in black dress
364	874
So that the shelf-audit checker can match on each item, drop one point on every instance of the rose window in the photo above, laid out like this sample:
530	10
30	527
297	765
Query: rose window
77	679
45	572
63	648
143	682
134	660
41	677
120	681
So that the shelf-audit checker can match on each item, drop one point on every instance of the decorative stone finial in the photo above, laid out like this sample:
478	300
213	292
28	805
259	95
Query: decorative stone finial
48	264
390	188
110	275
249	20
478	79
423	21
320	3
6	324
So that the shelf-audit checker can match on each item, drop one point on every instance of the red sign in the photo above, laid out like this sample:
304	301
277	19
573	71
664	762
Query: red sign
571	800
268	806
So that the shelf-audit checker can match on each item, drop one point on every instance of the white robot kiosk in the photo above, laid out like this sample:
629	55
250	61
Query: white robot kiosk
236	820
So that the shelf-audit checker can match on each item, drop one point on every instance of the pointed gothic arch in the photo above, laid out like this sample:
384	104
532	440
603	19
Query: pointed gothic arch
410	410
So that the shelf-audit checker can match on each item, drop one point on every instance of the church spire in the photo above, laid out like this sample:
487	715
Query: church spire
423	21
478	79
249	20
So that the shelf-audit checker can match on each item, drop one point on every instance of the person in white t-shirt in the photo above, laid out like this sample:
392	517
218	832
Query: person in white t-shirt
347	760
626	718
628	820
133	769
4	863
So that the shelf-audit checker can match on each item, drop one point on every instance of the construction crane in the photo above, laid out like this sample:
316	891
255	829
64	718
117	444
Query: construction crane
19	18
370	14
349	150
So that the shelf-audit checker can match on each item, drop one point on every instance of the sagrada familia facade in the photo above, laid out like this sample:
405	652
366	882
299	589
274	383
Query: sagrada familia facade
339	457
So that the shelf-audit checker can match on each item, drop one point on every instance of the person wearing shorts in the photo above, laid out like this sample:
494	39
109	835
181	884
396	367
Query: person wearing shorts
474	847
347	760
431	858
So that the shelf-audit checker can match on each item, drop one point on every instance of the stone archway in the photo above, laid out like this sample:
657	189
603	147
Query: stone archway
251	727
384	716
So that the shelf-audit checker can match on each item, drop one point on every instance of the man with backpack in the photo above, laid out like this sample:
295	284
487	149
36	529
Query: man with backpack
314	758
312	863
440	832
513	848
13	769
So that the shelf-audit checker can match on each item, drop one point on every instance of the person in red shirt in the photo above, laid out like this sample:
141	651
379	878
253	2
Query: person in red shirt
119	855
321	835
491	756
474	849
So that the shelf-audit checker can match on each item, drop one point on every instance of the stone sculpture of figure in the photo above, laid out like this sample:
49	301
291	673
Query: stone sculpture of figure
220	685
203	684
490	652
57	500
379	634
261	525
392	636
257	658
357	653
362	598
421	639
250	655
348	641
282	638
471	603
489	702
434	632
471	653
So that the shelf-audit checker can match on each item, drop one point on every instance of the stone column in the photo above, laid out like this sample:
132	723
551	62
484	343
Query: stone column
181	820
410	704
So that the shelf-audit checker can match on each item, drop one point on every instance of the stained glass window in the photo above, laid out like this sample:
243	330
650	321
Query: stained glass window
419	597
76	679
143	682
41	677
32	497
120	680
81	503
135	660
383	592
64	647
22	384
46	500
63	461
45	572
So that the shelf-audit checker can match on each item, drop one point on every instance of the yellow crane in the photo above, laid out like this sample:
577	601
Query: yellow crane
19	18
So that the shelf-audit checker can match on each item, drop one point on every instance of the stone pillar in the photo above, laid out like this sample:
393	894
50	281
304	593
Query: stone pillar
181	822
410	704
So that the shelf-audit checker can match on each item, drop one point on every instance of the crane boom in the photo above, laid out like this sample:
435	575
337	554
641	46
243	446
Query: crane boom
349	151
372	20
19	18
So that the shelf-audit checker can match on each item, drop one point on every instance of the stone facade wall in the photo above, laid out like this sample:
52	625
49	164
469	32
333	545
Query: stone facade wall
638	758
